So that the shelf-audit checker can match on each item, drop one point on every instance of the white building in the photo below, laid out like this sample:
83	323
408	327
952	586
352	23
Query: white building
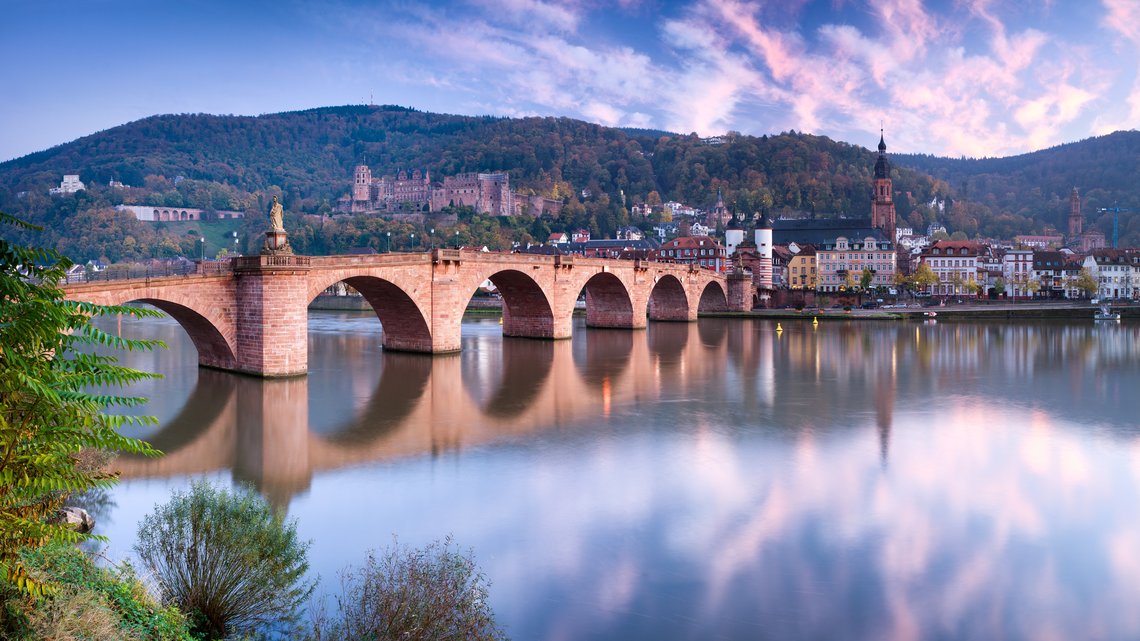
1017	270
956	263
147	213
71	184
1117	273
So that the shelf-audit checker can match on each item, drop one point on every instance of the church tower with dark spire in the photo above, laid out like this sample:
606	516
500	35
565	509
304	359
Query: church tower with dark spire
882	202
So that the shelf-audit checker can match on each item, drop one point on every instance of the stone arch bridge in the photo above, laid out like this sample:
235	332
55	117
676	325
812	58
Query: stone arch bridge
250	315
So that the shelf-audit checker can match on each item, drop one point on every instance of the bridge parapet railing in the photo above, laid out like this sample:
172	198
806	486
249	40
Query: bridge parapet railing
283	260
161	270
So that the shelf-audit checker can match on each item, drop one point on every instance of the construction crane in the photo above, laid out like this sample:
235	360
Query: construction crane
1115	209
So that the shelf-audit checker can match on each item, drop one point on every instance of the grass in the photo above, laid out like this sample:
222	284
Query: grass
218	234
88	602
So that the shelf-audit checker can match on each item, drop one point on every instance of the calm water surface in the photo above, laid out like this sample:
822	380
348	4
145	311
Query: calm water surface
716	480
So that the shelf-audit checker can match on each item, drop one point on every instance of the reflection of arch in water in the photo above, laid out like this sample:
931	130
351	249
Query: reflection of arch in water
212	392
714	331
667	300
667	342
524	365
403	379
604	357
607	302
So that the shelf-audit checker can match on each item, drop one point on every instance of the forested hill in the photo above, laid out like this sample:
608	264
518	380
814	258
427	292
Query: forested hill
235	162
310	156
1105	169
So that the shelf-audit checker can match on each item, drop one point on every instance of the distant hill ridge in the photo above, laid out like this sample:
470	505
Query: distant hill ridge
310	154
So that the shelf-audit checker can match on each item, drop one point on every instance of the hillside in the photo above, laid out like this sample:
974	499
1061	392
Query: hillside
307	157
310	155
1105	169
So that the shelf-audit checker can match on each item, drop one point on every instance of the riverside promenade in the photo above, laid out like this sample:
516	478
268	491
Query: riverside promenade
983	310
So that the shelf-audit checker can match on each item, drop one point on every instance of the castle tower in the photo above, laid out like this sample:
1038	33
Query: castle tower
362	185
1075	219
882	204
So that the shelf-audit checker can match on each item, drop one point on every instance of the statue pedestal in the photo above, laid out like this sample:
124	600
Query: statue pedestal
276	243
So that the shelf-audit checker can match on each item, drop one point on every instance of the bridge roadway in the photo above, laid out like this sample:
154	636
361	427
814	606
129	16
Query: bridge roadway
250	315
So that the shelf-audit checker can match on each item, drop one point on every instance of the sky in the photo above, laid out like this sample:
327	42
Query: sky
950	77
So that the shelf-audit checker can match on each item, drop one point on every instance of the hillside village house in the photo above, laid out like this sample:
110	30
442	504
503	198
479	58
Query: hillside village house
1053	270
701	250
802	270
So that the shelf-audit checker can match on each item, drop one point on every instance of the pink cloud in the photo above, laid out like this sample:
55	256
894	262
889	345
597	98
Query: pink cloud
1123	17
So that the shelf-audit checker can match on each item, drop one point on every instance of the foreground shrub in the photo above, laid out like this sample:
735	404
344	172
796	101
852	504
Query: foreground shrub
430	594
88	602
226	560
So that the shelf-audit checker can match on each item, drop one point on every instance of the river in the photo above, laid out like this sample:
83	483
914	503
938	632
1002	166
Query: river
725	479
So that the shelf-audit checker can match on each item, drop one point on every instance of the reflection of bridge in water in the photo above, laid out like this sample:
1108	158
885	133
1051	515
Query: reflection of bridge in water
420	405
840	376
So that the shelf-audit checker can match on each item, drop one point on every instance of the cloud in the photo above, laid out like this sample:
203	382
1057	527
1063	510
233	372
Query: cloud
1123	17
965	80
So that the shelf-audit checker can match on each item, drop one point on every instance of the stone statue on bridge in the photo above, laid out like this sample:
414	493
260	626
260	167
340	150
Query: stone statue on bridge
276	216
276	240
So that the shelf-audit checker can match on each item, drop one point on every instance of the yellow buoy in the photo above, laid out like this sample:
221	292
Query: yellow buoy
815	320
778	328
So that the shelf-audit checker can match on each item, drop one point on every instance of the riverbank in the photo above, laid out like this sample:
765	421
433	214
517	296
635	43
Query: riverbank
1066	310
972	311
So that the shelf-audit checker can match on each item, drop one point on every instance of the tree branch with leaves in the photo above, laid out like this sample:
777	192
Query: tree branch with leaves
53	401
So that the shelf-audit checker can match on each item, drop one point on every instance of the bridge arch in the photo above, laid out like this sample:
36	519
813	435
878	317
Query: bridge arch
713	298
214	348
527	311
668	300
608	302
405	325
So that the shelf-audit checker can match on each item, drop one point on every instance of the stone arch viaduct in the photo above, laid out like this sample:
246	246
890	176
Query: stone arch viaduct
251	315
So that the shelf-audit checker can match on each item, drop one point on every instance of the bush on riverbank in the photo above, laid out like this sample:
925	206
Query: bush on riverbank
430	593
87	602
226	560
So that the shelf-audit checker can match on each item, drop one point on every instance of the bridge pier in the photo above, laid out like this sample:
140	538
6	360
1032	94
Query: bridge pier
739	292
272	315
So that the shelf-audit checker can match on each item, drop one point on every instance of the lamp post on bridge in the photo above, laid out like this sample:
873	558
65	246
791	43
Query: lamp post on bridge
431	235
203	241
388	242
457	239
235	244
413	241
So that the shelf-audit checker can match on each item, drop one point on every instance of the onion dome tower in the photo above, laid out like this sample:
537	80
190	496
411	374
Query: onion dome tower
733	235
762	276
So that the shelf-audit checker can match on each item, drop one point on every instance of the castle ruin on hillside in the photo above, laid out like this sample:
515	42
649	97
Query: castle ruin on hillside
486	193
